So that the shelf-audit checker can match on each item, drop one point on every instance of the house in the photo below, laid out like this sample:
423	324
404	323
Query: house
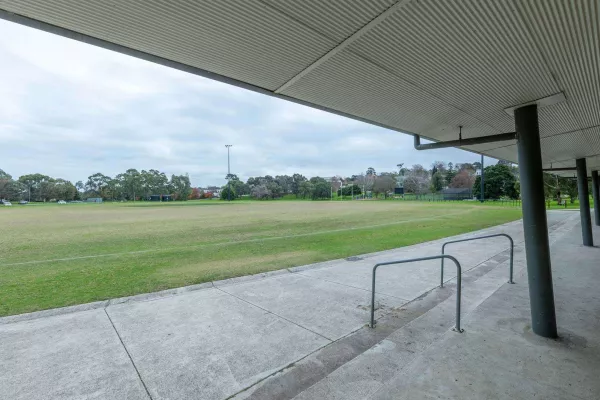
214	190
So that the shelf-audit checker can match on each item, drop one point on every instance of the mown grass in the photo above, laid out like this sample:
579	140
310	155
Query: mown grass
52	256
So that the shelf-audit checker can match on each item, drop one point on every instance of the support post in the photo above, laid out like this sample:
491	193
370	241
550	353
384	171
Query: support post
596	194
584	202
482	181
535	224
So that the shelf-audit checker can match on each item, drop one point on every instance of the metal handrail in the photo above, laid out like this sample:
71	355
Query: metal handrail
458	284
512	252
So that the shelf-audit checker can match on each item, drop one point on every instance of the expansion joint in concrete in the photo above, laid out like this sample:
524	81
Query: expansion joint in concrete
128	355
275	314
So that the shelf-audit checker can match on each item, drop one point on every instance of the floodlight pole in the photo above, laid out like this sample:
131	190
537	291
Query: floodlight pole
228	173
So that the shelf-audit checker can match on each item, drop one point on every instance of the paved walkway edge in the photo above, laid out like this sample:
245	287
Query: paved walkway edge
221	283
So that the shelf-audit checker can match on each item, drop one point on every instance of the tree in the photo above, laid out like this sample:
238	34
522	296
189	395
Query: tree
241	188
182	188
361	181
468	166
438	166
297	180
463	179
322	190
196	194
369	179
570	185
97	185
6	182
384	184
153	182
350	190
499	182
38	185
275	189
437	182
336	183
253	182
63	190
450	174
261	192
285	182
416	180
131	183
9	188
305	189
228	193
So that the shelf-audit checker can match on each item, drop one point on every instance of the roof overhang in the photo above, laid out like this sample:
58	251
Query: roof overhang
420	67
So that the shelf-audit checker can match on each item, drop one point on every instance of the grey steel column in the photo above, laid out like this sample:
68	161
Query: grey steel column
535	225
482	181
584	202
596	193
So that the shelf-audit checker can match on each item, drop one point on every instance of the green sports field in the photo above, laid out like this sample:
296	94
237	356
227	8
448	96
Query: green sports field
59	255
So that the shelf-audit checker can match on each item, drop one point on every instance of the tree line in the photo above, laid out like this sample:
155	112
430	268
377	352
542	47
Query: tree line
129	185
417	180
501	181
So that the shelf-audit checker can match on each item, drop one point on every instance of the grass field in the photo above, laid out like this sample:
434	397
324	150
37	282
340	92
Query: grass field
52	256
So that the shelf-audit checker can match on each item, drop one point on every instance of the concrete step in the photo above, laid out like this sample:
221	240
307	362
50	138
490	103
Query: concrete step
365	374
334	363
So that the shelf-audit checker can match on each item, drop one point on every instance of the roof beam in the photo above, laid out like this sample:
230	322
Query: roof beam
344	44
559	169
464	142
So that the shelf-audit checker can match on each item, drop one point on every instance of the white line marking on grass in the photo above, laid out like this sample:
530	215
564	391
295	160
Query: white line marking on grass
165	249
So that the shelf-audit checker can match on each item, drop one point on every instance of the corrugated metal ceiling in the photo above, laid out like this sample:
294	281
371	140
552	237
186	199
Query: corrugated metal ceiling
420	66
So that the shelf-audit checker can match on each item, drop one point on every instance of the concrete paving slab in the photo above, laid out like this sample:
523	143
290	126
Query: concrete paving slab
207	344
72	356
330	309
498	357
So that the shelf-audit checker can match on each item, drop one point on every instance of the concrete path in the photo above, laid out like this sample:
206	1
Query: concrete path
498	357
222	339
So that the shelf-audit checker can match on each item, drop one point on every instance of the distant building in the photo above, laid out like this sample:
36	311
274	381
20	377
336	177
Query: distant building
94	200
161	197
457	194
214	190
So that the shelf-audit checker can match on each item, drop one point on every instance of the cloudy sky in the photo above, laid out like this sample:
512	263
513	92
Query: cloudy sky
69	110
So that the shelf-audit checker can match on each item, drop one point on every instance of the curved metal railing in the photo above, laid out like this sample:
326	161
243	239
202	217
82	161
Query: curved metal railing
443	256
512	253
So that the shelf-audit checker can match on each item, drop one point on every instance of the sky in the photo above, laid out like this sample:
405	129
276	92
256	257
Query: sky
69	110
